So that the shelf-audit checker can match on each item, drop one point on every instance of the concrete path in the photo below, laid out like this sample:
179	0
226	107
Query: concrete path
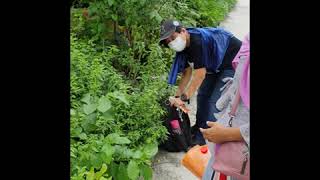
167	166
237	21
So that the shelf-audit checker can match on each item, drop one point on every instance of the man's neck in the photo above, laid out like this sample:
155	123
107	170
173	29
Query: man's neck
188	39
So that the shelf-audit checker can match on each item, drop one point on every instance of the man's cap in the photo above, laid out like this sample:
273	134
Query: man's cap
167	28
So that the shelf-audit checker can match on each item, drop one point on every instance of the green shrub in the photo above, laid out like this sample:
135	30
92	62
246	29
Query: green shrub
119	81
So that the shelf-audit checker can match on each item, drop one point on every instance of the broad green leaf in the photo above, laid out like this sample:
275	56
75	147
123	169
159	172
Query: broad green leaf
119	150
158	18
150	150
104	104
103	178
146	172
89	123
76	132
122	172
105	158
110	2
127	153
120	96
96	161
107	151
72	112
137	154
128	21
89	127
108	115
114	138
153	14
142	2
91	118
94	149
133	170
123	152
102	171
114	167
92	9
81	172
149	140
90	175
86	98
83	136
114	17
89	108
100	28
122	140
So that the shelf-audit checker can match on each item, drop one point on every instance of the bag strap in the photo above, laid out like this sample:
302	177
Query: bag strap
234	107
232	113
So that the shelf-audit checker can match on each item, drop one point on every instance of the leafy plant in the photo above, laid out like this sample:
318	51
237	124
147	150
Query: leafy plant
118	82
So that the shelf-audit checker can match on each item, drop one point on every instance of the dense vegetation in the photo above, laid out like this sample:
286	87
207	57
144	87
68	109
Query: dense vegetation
119	81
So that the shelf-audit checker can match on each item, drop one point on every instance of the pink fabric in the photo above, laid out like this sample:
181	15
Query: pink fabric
175	124
245	75
229	160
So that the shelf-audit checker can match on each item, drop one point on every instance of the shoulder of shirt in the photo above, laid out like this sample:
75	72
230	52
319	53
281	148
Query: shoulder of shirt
195	39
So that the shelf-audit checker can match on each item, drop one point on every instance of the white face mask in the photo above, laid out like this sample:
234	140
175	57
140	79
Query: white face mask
178	44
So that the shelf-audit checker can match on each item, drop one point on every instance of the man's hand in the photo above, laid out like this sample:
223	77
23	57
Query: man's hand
216	133
177	102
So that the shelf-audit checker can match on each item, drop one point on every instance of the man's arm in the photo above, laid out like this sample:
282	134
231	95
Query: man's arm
198	77
186	76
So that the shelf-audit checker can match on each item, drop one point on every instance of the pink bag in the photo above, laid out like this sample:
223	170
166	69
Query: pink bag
232	158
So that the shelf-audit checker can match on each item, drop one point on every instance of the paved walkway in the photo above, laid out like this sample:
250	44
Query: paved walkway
167	166
237	21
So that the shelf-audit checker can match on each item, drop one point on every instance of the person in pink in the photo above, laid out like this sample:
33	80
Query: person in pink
219	132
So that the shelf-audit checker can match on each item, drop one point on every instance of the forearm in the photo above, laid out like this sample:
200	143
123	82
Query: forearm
186	76
233	134
199	76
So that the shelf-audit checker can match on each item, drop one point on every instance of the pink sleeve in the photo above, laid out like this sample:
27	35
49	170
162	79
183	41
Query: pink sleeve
244	51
